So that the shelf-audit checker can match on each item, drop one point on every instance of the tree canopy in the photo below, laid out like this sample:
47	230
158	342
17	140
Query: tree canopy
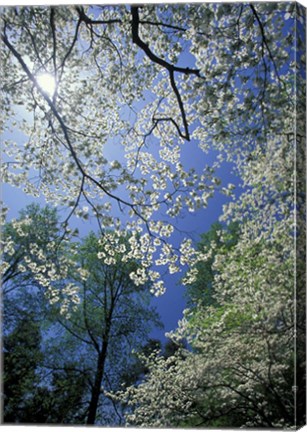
127	116
134	86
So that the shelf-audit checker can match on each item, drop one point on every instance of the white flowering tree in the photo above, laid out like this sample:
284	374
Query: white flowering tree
33	298
108	102
108	99
244	365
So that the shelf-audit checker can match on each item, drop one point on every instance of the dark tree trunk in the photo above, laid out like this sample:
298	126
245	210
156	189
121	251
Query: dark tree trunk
97	385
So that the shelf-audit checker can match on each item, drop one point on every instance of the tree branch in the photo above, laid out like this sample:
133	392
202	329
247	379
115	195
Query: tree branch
87	20
161	24
265	42
158	60
75	38
53	30
86	322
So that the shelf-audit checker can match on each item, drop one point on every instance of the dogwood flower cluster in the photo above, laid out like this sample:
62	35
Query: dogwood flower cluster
38	262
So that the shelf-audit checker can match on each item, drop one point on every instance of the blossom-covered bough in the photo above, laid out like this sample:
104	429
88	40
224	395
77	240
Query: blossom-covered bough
135	88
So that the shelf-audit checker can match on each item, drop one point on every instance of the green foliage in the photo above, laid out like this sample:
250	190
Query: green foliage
22	356
201	291
62	402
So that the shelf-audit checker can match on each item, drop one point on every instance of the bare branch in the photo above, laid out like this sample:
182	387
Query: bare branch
264	39
88	20
161	24
53	30
171	68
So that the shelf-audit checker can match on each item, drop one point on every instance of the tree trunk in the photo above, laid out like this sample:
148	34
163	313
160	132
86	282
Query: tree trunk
97	385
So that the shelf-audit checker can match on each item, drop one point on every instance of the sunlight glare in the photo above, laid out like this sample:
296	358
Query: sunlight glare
47	83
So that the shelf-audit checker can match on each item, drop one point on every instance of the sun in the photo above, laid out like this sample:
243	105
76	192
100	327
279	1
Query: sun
46	82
